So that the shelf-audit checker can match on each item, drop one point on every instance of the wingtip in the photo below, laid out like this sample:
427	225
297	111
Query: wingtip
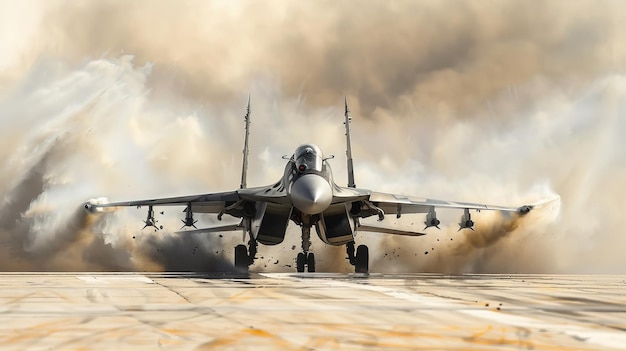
92	205
538	204
522	210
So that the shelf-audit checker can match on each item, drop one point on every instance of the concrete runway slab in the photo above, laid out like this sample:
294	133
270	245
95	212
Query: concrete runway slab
96	311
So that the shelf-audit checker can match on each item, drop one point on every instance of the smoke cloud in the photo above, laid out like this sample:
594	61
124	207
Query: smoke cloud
492	102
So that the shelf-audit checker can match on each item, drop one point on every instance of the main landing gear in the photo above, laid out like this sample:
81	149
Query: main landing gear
360	260
305	258
244	256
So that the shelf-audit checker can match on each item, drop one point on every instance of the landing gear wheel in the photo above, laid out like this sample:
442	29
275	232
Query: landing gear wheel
241	258
362	259
300	262
310	262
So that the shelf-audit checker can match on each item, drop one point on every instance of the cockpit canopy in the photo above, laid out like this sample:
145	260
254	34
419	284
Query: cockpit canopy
308	157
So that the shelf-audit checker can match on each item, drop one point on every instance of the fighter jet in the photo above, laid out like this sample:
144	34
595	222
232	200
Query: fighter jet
308	196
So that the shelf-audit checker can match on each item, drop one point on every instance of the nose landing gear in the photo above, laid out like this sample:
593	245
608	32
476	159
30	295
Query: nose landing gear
305	258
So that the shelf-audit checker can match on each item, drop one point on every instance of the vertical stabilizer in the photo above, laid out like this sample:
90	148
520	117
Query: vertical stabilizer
244	168
348	147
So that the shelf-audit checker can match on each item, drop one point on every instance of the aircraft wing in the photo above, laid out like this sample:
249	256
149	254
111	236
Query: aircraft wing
212	203
402	204
201	203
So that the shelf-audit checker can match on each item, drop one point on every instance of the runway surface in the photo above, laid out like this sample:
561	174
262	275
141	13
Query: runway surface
96	311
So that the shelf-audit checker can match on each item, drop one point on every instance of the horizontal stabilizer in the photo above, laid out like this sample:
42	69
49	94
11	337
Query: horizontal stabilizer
222	228
375	229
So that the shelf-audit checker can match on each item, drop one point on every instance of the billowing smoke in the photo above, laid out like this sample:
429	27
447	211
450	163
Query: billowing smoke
504	103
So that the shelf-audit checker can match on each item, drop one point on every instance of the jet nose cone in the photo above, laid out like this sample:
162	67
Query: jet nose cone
311	194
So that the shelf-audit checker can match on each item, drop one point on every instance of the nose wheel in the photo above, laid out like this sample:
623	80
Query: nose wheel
307	260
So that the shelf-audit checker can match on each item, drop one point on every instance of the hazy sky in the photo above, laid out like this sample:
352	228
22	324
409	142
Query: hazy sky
503	102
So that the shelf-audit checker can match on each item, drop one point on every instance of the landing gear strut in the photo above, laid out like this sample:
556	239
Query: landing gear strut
305	258
360	261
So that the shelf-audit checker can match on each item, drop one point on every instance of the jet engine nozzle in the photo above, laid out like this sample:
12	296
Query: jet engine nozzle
311	194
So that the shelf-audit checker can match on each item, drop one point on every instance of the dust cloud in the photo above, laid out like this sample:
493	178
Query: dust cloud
492	102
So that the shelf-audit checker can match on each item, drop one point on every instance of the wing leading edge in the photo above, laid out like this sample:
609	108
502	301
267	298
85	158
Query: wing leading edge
403	204
213	203
202	203
365	203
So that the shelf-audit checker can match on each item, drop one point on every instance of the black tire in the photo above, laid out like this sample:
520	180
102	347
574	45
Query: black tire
300	261
310	262
362	259
241	257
